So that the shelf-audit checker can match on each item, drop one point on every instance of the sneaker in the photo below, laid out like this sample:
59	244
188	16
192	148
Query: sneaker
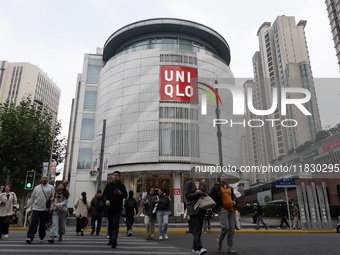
266	227
202	251
196	252
5	236
166	237
107	237
114	245
160	238
109	243
97	233
279	228
257	228
218	244
50	241
28	240
231	250
92	232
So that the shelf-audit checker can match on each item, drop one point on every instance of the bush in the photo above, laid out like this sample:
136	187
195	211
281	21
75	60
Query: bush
334	210
270	210
246	209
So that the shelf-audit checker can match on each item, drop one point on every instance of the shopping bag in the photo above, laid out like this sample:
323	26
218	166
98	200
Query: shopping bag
237	220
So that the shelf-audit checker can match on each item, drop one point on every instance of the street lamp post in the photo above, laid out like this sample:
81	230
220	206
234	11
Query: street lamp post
52	142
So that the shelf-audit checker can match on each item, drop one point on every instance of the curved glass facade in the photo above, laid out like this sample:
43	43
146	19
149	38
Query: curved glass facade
167	43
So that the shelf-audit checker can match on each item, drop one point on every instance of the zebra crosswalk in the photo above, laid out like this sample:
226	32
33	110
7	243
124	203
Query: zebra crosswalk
72	244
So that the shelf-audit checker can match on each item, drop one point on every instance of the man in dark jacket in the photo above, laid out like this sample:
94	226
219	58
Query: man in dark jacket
113	195
283	213
131	209
194	189
225	200
97	212
259	213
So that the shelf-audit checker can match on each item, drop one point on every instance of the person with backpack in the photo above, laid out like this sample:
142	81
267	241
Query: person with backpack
97	211
225	200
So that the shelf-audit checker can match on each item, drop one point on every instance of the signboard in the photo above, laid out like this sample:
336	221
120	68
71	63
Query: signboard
178	84
53	169
95	165
264	197
310	154
285	184
331	146
180	208
105	168
177	192
45	168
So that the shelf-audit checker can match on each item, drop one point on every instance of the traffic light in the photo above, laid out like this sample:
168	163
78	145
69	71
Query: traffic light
29	180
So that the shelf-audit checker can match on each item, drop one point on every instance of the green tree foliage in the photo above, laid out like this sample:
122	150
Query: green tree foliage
26	133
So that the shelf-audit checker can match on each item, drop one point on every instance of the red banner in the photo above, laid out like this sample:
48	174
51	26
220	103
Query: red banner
331	146
178	84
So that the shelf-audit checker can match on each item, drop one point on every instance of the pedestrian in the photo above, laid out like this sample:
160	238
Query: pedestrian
225	200
194	190
82	207
40	207
162	207
296	215
255	215
59	212
283	213
149	218
8	203
97	211
259	213
113	195
206	221
131	209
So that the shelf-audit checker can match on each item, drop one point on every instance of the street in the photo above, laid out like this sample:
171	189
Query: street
178	244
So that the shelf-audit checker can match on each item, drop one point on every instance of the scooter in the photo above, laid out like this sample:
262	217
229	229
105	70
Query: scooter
338	226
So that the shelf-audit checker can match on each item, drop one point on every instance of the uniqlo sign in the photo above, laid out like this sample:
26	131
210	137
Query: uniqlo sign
178	84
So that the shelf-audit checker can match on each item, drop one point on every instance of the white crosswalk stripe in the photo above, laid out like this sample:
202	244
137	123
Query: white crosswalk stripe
71	244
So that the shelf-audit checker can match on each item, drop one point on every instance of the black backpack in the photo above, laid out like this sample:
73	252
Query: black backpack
100	206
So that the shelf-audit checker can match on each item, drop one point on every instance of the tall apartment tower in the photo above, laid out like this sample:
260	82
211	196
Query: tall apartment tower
18	80
281	62
333	9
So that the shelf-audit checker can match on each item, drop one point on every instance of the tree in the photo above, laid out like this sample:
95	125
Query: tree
25	143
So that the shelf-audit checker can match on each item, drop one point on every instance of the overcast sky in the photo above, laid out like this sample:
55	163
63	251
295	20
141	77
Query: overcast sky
55	35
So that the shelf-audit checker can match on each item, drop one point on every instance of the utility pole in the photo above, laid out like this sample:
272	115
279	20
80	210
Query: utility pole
219	133
101	160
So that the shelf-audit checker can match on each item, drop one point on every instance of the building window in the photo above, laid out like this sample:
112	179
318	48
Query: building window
87	128
84	158
90	98
178	139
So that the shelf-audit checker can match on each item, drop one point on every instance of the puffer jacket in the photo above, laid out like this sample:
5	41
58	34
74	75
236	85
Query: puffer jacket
81	209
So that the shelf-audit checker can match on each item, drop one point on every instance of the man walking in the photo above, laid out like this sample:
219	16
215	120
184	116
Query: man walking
194	189
38	204
283	213
113	195
259	213
225	200
296	215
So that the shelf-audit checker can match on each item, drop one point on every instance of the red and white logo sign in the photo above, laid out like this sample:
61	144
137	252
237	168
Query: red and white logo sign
178	84
177	192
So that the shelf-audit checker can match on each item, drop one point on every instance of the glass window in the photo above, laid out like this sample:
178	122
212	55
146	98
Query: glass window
90	98
87	128
84	158
93	72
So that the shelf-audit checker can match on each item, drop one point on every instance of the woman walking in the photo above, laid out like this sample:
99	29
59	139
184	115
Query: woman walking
8	200
59	214
82	207
149	218
163	210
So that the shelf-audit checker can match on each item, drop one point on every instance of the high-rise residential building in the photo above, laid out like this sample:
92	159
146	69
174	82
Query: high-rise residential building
333	9
281	62
19	80
144	85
